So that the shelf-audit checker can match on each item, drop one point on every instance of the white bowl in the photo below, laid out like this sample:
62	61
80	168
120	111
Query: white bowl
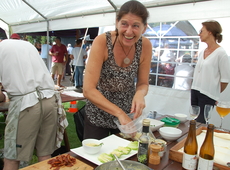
91	149
155	124
170	133
182	117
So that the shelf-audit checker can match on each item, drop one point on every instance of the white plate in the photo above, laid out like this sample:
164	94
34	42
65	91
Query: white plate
155	124
109	144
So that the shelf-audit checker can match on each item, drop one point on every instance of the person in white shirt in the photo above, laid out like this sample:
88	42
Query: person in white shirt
78	55
45	48
31	121
212	72
183	73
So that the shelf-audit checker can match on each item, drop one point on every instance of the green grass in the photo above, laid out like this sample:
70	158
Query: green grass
71	129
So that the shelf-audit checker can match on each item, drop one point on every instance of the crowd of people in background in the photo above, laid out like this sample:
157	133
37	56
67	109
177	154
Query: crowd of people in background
64	60
172	72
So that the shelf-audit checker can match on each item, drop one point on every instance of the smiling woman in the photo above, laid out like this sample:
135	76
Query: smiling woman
118	58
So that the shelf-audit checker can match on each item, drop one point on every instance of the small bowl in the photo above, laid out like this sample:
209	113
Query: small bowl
88	148
170	133
182	117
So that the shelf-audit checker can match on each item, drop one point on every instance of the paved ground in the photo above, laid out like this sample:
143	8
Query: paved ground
66	82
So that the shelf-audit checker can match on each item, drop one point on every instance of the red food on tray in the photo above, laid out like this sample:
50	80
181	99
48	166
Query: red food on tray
61	160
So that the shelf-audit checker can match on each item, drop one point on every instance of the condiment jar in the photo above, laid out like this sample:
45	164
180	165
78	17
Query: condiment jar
163	145
154	157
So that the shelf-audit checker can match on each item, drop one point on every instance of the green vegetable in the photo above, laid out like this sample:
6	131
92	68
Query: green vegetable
98	144
124	150
142	159
117	153
104	157
133	145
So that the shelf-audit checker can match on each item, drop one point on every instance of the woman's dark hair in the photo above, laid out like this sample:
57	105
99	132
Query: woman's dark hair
134	7
215	28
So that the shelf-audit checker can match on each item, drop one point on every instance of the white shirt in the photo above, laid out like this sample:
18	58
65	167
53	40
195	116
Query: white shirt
78	59
183	83
69	49
22	70
45	50
210	72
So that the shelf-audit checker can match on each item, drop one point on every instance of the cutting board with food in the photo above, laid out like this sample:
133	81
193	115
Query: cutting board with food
61	162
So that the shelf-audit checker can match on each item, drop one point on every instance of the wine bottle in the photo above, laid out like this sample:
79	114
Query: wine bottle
207	150
190	148
143	150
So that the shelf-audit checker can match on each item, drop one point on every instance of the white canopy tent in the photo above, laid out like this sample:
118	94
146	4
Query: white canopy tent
23	16
35	16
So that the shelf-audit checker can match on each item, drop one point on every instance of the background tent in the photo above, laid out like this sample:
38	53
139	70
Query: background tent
37	16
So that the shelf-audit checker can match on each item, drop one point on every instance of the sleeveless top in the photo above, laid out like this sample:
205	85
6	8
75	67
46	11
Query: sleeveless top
117	84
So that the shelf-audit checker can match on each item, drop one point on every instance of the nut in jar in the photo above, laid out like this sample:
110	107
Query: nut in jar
163	145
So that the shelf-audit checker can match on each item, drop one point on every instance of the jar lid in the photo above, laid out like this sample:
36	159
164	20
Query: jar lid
170	121
160	141
155	147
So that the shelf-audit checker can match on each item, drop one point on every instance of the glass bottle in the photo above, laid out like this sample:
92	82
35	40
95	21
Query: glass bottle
190	148
207	150
142	154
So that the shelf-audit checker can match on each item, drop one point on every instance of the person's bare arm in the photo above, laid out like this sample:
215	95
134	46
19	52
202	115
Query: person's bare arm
138	103
2	96
223	86
71	57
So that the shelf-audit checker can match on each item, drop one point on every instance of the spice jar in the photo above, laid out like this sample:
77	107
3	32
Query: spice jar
163	145
154	157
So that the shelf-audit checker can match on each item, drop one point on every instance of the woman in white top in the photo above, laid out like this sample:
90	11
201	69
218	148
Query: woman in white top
212	72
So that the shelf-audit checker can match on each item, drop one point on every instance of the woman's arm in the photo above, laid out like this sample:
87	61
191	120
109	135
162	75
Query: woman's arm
223	86
138	103
2	96
98	55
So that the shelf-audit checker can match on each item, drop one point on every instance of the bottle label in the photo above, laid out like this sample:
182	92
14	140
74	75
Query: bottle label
142	155
189	161
205	164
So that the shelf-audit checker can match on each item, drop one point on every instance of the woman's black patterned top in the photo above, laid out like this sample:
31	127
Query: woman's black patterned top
117	84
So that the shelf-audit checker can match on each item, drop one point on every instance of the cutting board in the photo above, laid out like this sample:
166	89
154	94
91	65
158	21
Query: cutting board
79	165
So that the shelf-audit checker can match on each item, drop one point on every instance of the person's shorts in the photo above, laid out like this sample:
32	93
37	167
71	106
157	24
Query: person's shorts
37	130
57	68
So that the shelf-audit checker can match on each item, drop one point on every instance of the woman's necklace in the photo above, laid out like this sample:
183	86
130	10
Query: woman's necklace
126	60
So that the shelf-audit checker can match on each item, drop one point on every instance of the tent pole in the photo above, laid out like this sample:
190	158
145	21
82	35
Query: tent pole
47	47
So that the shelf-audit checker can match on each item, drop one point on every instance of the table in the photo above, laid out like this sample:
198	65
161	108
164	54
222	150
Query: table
65	98
166	163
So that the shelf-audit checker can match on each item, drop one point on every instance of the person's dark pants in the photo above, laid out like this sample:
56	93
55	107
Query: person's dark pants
95	132
201	100
67	67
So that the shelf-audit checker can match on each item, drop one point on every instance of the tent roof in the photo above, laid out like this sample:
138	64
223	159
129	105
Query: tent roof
39	15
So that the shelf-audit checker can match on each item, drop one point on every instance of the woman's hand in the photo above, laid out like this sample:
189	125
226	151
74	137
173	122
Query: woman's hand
138	104
124	119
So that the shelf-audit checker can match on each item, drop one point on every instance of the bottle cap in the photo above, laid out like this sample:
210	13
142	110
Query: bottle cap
211	126
146	122
192	122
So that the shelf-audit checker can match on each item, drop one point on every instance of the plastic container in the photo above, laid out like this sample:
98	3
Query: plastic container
170	122
135	126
